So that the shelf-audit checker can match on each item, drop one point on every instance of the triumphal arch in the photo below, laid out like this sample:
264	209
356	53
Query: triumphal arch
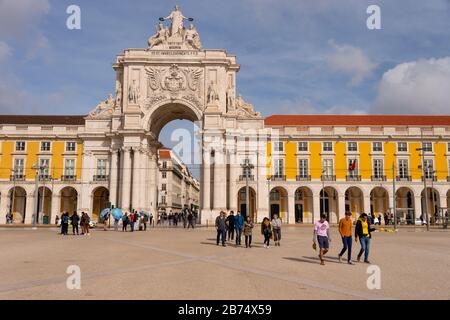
174	77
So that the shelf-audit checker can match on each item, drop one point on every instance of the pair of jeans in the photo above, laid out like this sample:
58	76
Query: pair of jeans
238	236
248	241
365	247
276	234
347	242
267	236
230	233
221	233
75	228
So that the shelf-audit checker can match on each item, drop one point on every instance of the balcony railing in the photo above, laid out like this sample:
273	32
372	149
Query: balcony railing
162	204
328	177
433	178
100	177
45	177
68	177
378	178
353	178
303	178
278	178
403	178
251	177
17	177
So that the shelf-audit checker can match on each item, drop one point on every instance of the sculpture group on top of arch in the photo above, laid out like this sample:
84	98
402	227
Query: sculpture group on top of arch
176	33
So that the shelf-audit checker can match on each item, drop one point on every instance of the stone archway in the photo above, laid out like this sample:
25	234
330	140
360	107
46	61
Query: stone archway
379	201
279	203
100	199
242	201
354	201
406	209
69	200
17	204
329	204
44	205
433	204
303	205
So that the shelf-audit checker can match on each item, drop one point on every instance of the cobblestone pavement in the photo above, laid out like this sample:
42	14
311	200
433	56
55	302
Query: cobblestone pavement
187	264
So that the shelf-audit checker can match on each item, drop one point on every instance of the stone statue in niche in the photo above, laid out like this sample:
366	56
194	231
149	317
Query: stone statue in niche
133	93
230	99
212	95
118	94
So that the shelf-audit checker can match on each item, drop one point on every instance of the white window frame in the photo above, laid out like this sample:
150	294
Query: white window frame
375	143
429	173
46	171
67	146
352	143
105	168
278	143
299	172
327	174
377	172
398	146
327	143
355	172
275	167
66	168
423	146
24	146
304	143
42	145
22	173
407	166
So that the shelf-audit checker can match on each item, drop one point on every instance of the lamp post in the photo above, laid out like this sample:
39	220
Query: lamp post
268	194
424	184
247	166
13	193
38	168
323	191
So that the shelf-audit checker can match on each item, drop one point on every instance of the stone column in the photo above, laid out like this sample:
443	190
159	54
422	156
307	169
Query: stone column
366	204
418	207
291	209
145	173
316	207
126	179
205	188
153	186
113	178
136	188
56	203
220	182
4	209
341	200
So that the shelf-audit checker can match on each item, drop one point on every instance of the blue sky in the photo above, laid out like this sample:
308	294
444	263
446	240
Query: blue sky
296	56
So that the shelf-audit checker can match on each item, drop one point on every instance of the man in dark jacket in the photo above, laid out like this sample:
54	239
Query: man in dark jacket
230	220
363	231
221	227
75	220
190	218
238	225
64	223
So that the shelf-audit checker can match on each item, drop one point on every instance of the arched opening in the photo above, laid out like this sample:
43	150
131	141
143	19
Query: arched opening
17	204
279	203
379	202
69	200
242	202
44	205
303	205
432	204
100	199
175	126
354	201
329	204
406	211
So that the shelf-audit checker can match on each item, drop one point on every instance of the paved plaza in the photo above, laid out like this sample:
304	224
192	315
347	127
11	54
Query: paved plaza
187	264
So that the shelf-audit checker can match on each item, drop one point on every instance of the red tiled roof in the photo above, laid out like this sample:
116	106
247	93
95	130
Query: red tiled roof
42	120
164	153
356	120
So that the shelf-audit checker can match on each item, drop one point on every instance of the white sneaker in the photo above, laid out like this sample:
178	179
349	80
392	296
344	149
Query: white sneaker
265	246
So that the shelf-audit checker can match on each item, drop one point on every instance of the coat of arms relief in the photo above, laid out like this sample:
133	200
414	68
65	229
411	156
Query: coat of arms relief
174	82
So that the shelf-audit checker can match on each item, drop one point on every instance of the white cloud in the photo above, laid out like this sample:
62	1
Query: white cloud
351	61
418	87
18	17
5	51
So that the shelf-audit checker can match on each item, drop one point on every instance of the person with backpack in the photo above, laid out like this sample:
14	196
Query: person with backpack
64	223
124	222
266	231
75	220
363	231
238	225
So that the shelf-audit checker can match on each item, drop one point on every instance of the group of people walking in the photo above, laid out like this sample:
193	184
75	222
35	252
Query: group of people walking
363	233
75	220
231	224
186	216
